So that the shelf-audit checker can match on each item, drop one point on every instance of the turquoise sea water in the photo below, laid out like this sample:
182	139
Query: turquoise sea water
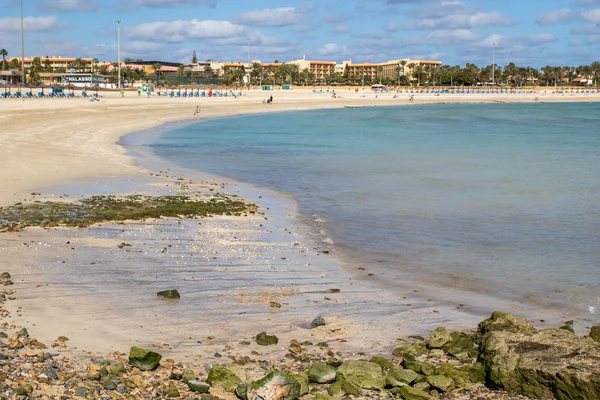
500	199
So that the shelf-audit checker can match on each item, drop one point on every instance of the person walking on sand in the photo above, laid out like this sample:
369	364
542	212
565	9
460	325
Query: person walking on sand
197	112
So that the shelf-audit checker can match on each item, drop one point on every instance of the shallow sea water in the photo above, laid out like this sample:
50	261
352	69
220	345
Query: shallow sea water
501	199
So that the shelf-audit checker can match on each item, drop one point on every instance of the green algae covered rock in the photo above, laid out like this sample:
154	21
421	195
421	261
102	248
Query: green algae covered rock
198	386
145	360
275	386
567	328
411	393
343	388
222	375
363	374
322	396
505	322
552	363
439	337
441	382
420	367
383	362
303	381
262	339
398	377
595	333
169	294
321	373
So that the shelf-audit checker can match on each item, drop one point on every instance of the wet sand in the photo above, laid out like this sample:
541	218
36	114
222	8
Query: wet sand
78	283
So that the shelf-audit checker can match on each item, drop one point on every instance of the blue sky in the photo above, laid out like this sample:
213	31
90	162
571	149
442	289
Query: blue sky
527	32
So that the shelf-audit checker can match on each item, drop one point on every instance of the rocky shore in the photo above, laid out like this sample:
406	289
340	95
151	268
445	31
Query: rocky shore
505	358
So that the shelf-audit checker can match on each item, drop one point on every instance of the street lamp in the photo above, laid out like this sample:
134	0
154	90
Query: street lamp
493	63
119	53
22	47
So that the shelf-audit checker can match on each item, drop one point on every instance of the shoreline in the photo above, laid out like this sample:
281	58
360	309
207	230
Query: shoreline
127	171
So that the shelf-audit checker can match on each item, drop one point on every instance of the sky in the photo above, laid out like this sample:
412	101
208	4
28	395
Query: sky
527	32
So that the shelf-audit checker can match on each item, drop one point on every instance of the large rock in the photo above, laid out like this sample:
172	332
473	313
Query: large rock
343	388
275	386
145	360
505	322
552	362
411	393
441	382
400	377
222	375
595	333
366	375
321	373
439	337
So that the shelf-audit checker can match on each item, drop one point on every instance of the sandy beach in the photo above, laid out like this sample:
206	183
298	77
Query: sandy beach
238	275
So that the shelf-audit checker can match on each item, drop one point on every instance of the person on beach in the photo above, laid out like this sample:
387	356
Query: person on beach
197	112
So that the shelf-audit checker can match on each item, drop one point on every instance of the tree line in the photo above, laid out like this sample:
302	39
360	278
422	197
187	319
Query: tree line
405	74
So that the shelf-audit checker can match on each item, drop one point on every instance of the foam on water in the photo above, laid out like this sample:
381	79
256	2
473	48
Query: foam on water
500	199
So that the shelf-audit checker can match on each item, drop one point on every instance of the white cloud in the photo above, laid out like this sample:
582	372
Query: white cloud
180	30
174	3
593	15
557	16
455	15
283	16
68	5
33	24
333	50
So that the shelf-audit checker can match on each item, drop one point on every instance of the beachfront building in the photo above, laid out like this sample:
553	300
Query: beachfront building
376	72
321	70
58	64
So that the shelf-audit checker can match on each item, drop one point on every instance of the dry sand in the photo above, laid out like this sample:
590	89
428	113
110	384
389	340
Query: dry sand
228	270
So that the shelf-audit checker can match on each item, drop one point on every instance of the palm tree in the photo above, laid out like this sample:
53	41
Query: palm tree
595	69
4	54
79	65
157	67
419	70
411	67
256	72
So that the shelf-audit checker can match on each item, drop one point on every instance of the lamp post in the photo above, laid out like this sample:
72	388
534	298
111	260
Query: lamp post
493	63
22	47
119	53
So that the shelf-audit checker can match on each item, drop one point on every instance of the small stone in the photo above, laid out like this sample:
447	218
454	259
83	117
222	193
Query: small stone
169	294
567	328
223	376
145	360
171	392
275	304
317	322
5	275
262	339
333	290
295	348
22	334
439	337
321	373
198	386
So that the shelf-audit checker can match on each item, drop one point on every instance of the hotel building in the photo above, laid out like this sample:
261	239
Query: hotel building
320	69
